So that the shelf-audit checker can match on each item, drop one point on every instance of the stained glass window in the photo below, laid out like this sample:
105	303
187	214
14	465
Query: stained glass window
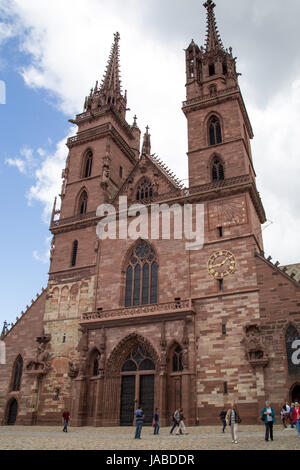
142	276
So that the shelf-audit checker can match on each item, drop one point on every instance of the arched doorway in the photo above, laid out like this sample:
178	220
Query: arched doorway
12	412
137	386
295	393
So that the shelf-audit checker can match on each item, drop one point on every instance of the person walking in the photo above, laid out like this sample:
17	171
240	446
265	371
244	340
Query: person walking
156	421
223	418
291	415
181	428
66	419
283	413
176	420
139	420
268	414
287	414
296	417
233	419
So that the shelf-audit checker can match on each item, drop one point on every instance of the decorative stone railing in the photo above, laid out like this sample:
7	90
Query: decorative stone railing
169	307
200	99
75	218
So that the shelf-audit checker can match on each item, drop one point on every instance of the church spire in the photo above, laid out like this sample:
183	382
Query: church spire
111	82
213	39
109	93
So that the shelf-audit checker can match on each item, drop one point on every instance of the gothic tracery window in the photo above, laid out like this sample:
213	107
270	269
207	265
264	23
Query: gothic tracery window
138	359
217	170
142	276
17	374
87	166
144	191
214	131
291	336
83	203
177	360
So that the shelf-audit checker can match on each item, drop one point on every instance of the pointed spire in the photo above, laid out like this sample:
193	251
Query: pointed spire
146	143
111	81
213	39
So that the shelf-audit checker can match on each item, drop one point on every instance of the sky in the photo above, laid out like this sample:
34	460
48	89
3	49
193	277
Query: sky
53	51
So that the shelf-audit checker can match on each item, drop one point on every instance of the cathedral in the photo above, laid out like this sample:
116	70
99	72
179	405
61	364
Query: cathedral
147	321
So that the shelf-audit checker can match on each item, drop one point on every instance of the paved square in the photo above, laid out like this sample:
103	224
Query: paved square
89	438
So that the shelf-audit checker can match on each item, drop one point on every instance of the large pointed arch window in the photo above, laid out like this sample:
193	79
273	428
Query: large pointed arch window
17	374
214	131
142	276
217	170
83	200
87	164
291	336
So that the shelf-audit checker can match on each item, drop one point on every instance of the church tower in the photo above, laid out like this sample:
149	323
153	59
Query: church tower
219	129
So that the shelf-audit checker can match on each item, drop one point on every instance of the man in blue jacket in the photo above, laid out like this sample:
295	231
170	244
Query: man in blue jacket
268	414
139	419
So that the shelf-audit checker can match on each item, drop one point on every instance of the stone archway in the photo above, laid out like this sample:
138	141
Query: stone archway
132	379
295	393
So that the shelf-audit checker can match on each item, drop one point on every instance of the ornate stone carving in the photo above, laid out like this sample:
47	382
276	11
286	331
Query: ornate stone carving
40	363
255	350
73	370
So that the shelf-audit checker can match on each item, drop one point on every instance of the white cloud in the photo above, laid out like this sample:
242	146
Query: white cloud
48	177
45	256
277	162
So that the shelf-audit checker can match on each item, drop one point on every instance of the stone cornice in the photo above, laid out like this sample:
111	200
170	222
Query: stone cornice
102	131
88	116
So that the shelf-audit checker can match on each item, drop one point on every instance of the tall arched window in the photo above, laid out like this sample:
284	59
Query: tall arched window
142	276
74	253
177	360
83	200
217	170
291	336
144	191
87	164
17	374
214	131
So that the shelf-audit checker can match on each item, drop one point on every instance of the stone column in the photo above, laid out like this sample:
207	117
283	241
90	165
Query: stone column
78	401
164	412
98	415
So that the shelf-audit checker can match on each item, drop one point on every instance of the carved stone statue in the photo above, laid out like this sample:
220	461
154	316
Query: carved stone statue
253	344
73	370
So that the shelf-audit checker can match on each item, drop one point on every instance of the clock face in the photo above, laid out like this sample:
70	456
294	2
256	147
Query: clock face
221	264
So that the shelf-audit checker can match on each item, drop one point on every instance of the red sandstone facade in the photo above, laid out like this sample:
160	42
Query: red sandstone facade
205	337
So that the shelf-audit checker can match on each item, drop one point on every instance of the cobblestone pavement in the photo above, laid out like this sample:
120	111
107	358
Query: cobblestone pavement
199	438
